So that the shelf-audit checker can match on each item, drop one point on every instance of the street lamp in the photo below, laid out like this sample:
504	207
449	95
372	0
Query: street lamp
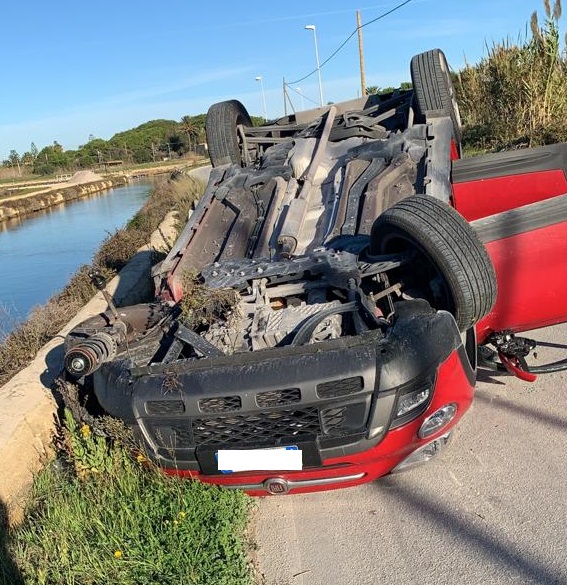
261	80
312	27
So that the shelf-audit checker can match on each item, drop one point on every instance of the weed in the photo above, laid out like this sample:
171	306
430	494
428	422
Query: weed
111	519
202	305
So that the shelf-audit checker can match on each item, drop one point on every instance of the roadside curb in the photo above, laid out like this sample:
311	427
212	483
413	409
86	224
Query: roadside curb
28	409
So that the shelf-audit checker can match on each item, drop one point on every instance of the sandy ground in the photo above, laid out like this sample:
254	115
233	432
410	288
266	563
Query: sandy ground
79	178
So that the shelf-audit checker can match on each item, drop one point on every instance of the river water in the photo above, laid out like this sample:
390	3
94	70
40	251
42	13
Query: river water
40	253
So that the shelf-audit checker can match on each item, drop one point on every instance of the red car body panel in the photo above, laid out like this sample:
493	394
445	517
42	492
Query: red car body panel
531	281
529	264
483	197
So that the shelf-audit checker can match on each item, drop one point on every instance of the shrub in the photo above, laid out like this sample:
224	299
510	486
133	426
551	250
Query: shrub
515	96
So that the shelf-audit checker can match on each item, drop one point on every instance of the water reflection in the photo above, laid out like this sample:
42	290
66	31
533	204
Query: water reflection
39	254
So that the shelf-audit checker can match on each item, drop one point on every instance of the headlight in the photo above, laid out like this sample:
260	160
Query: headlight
437	420
412	400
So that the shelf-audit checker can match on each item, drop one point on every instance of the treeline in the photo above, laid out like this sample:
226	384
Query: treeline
152	141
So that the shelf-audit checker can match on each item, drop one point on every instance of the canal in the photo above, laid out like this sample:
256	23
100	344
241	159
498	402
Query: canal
40	253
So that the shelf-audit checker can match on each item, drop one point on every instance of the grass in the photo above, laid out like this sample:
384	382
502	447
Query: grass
20	346
103	517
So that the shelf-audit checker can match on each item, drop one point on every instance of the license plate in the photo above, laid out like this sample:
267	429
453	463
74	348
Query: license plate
288	458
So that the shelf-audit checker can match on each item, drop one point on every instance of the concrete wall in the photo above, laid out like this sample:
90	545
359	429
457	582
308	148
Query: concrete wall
25	204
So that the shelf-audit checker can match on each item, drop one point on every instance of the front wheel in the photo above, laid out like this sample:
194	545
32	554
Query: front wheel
450	266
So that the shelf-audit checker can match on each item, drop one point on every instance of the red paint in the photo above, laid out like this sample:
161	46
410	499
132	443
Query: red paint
512	364
532	281
452	386
455	151
484	197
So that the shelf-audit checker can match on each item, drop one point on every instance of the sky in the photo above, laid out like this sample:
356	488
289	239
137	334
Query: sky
71	70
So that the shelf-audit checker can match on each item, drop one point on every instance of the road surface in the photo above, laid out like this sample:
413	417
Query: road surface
492	509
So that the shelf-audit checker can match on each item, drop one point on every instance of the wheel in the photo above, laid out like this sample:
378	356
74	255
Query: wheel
225	146
433	88
451	267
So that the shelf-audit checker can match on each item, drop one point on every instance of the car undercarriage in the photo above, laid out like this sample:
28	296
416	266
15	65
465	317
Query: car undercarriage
325	296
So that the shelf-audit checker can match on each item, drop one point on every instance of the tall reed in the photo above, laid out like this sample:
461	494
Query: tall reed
515	96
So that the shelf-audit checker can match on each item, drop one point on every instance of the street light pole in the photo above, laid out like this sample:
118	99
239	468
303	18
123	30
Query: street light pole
312	27
261	80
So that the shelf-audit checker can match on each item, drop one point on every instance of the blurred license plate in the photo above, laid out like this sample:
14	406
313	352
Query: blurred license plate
273	459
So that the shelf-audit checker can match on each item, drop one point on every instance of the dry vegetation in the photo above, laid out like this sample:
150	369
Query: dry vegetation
202	305
21	345
516	95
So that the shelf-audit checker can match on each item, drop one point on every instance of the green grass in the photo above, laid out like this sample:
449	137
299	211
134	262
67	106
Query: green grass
109	519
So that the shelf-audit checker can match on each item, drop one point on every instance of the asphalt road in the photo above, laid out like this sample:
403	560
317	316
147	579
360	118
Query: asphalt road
492	509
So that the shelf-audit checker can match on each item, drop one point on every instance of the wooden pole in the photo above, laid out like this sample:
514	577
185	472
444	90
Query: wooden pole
361	54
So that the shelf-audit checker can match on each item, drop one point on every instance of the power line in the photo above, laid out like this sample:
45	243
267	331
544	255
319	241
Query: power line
301	94
401	5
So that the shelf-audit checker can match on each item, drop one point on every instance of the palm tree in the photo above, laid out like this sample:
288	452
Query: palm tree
191	129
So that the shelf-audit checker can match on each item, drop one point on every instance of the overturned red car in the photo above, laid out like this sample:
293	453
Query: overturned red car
318	321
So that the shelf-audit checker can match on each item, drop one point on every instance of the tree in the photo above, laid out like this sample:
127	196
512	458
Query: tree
375	90
190	129
14	159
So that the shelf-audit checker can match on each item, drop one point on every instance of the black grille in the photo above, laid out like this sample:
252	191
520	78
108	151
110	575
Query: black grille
165	407
261	428
342	421
337	388
175	436
278	397
220	404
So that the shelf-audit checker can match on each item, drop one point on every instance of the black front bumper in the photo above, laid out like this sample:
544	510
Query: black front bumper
330	399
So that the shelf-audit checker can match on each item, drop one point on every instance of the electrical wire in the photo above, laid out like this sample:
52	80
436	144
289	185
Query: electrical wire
401	5
301	94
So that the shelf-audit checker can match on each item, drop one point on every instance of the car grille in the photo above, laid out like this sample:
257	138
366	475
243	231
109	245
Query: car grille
278	397
337	388
165	407
257	428
224	404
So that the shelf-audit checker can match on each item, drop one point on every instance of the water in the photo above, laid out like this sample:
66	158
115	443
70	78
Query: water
39	254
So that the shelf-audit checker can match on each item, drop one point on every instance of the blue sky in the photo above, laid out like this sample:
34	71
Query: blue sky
72	69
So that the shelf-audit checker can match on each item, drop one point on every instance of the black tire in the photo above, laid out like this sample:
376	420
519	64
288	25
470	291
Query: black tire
452	268
433	88
222	136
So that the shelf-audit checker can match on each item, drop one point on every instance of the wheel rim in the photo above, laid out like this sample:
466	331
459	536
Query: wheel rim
450	88
421	269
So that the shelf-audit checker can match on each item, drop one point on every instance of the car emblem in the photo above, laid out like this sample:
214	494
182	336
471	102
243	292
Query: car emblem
276	486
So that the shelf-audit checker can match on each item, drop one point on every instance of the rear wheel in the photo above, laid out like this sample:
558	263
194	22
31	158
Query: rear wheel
223	140
433	88
451	267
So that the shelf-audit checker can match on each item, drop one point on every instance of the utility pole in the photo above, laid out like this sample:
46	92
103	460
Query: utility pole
284	97
361	54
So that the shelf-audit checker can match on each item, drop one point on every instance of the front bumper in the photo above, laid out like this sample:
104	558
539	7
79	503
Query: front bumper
453	386
336	401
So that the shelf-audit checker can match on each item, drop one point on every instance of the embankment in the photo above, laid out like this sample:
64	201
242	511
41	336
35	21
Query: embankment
17	207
